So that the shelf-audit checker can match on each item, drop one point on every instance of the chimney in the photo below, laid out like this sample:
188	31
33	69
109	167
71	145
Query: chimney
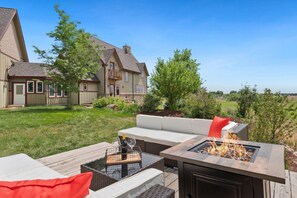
127	49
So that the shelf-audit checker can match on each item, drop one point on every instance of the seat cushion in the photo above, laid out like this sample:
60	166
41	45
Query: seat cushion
76	187
167	138
217	126
133	185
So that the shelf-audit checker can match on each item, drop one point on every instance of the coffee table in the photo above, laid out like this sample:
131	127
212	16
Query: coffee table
104	176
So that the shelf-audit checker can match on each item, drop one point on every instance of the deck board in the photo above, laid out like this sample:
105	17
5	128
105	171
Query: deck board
68	163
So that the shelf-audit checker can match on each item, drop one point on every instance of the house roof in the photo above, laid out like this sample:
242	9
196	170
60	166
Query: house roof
128	61
25	69
8	15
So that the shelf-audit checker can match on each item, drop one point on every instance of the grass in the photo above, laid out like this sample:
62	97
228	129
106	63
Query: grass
43	131
228	107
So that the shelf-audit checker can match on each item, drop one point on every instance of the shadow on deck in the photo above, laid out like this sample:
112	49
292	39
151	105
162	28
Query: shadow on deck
68	163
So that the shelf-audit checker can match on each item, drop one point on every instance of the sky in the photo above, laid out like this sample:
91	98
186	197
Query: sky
236	42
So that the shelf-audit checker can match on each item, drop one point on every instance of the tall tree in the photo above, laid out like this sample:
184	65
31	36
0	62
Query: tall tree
246	97
175	78
72	57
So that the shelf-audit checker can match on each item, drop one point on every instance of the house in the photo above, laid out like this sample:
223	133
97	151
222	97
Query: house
25	83
12	49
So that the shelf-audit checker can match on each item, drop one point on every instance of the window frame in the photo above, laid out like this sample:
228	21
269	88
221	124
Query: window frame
49	90
139	87
61	89
113	65
42	88
33	89
117	90
126	76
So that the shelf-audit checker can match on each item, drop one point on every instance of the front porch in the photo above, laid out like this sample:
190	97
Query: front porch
68	163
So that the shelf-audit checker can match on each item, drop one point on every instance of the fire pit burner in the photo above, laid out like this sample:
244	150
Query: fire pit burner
230	150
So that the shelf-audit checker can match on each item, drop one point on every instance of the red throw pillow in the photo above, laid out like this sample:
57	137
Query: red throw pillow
75	187
216	126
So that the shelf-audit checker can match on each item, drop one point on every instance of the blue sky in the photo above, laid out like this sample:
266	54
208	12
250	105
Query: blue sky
237	42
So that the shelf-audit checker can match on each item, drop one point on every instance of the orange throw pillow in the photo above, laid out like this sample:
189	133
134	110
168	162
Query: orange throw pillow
216	126
75	187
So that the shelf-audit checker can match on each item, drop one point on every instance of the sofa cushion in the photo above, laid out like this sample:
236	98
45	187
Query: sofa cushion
23	167
132	186
229	127
200	126
216	126
182	125
76	187
149	122
168	138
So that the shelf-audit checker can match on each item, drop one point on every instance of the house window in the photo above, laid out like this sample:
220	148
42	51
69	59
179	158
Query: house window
30	86
65	93
111	90
85	87
52	90
111	65
126	76
39	87
138	89
118	90
59	91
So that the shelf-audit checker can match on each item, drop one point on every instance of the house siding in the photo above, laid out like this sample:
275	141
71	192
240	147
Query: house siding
10	43
88	96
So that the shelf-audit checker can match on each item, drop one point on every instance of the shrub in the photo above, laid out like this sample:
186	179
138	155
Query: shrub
101	102
131	108
270	120
150	102
246	97
200	105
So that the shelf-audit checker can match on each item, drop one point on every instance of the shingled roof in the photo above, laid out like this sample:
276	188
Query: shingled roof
25	69
128	61
7	15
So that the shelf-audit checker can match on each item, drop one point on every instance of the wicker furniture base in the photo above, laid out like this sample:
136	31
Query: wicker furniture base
102	177
158	191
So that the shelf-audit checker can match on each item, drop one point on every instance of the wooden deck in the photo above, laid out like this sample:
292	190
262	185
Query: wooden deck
68	163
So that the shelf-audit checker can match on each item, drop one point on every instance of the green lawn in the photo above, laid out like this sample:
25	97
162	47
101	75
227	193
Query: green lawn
228	107
43	131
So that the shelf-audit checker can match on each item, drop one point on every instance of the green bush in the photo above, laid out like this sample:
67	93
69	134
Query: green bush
150	102
200	105
101	102
131	108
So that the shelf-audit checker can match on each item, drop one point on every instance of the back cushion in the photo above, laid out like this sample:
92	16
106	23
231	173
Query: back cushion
149	122
200	126
182	125
75	187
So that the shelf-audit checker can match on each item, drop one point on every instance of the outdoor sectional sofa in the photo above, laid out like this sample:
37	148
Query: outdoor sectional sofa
154	133
22	167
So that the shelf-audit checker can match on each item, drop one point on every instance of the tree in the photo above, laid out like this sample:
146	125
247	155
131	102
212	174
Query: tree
271	120
73	56
246	97
176	78
201	105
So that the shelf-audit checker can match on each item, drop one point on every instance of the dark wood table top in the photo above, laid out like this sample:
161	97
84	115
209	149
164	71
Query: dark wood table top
268	165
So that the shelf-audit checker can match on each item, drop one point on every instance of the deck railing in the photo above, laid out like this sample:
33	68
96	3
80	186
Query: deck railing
114	74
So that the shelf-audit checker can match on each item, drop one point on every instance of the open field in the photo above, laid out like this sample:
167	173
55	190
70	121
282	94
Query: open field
43	131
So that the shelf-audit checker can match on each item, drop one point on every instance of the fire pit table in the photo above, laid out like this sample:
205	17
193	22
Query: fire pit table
227	168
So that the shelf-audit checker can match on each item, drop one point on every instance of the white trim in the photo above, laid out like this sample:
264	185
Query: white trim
30	81
37	87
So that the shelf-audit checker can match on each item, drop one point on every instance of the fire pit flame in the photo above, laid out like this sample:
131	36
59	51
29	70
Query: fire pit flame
228	149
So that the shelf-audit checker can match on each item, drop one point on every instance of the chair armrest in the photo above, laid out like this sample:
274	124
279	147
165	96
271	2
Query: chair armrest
242	131
133	185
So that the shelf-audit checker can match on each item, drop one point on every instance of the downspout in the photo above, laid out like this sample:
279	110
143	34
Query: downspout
132	86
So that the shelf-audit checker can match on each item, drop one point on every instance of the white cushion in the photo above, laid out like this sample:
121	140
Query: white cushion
168	138
200	126
231	126
23	167
132	186
182	125
149	122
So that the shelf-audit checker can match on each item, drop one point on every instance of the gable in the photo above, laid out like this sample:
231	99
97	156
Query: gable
10	44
